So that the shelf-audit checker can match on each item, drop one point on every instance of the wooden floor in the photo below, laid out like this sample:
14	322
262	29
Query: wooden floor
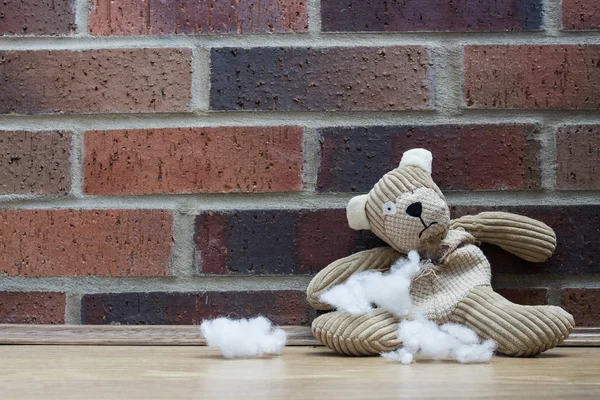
182	372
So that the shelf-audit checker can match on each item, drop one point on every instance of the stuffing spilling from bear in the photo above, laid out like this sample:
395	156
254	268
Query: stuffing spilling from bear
428	294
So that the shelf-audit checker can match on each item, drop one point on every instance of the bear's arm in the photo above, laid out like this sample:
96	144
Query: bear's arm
522	236
377	259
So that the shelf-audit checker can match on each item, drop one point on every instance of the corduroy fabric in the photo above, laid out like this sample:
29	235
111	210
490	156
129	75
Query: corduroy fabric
395	182
407	232
436	294
358	335
457	289
518	330
525	237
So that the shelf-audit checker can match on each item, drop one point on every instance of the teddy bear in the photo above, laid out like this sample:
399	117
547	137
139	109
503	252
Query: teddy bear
407	210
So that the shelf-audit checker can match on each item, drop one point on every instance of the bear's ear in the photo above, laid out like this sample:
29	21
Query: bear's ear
356	213
419	158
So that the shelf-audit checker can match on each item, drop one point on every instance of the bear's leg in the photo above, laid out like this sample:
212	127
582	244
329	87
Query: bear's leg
520	331
357	335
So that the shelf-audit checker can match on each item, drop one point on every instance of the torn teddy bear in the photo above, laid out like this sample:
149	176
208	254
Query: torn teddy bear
408	211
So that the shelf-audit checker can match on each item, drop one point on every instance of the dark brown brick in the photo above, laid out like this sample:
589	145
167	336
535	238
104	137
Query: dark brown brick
193	160
95	81
324	236
465	157
32	308
37	17
275	242
254	242
584	304
190	17
578	240
578	157
283	307
532	77
85	242
431	15
307	79
35	162
581	15
526	296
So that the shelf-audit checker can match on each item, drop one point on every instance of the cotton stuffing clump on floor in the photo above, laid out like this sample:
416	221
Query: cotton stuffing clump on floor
424	339
243	338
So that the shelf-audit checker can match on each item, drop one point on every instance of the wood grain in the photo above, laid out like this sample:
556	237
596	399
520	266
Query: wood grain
125	335
584	337
193	372
175	335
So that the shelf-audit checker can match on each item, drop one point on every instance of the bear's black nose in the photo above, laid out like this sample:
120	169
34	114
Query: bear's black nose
415	209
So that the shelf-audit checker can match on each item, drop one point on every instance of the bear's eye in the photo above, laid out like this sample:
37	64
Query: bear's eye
389	208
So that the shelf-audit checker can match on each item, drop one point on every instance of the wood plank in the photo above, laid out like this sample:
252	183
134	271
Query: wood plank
125	335
177	372
584	337
174	335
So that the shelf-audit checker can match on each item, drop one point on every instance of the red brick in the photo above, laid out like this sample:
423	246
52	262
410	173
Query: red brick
190	17
324	236
32	308
584	304
581	14
577	230
193	160
465	157
275	242
526	296
85	242
283	307
532	77
578	157
211	240
37	17
95	81
35	162
431	15
321	79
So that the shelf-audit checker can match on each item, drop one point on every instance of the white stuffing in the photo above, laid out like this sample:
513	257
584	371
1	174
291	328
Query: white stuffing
390	291
460	332
421	338
243	338
352	295
424	339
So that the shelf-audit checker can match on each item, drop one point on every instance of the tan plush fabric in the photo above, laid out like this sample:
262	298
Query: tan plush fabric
357	335
460	266
525	237
456	273
408	211
400	180
518	330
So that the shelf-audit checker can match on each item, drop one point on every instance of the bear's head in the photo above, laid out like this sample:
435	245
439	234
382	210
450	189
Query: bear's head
405	208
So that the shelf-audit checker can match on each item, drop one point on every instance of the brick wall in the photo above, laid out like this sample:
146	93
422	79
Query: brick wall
163	162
